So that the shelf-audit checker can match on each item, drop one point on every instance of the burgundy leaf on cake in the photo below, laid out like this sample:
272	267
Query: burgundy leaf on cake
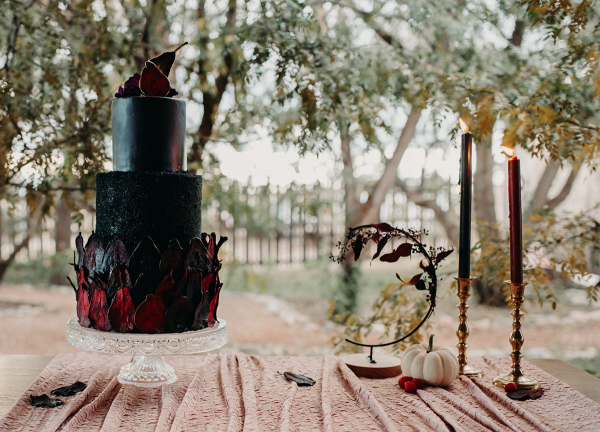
115	254
150	315
180	315
172	260
83	306
119	277
144	259
93	255
99	311
122	312
166	290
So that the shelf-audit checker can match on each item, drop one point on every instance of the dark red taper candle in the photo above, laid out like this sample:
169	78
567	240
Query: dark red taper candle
516	229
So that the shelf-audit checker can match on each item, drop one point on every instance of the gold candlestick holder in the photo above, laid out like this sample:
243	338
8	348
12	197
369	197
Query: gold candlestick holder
464	368
516	375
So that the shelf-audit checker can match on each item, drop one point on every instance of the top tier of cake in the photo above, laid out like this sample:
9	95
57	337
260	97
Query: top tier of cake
148	134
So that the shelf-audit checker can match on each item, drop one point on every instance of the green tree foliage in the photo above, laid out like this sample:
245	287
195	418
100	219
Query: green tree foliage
56	65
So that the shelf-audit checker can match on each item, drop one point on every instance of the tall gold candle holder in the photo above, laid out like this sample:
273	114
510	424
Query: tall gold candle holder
516	376
464	368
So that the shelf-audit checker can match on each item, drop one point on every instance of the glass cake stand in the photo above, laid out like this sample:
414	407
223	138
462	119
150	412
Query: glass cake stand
147	368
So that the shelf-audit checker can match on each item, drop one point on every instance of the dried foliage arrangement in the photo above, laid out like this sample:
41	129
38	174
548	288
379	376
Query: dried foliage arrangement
390	309
148	292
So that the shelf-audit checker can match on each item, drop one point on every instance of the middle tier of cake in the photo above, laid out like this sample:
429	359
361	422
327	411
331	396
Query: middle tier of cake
161	205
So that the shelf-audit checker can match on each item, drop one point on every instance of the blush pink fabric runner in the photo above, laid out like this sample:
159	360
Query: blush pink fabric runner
238	392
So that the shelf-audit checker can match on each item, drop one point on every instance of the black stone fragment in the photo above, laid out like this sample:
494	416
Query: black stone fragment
301	380
526	394
44	401
69	390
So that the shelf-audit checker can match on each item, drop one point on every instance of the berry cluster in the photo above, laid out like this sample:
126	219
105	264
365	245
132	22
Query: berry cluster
409	384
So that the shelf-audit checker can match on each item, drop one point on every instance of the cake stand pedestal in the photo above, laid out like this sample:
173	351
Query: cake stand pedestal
147	368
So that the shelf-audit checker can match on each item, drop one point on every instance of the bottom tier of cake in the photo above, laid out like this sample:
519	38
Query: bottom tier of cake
160	205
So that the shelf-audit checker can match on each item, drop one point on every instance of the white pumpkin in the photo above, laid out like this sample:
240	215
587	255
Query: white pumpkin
432	364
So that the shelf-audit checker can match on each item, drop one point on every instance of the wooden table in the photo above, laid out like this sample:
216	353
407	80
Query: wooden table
17	372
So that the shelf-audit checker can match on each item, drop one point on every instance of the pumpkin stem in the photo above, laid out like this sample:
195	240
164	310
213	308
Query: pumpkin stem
430	347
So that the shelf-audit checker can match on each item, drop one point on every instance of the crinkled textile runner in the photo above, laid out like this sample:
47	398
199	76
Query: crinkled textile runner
238	392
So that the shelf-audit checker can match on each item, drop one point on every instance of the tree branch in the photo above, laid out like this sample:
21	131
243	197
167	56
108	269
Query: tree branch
211	99
348	175
370	210
149	28
517	36
540	196
368	20
564	193
450	227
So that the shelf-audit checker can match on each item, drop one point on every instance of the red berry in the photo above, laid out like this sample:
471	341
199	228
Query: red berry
410	387
403	380
510	387
418	383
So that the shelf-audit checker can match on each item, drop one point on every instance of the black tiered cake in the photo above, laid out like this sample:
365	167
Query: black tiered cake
148	194
148	268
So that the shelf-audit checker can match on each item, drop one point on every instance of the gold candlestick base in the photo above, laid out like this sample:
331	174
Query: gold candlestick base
464	291
522	382
516	376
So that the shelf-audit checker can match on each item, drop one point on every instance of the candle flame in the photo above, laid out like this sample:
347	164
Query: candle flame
463	125
508	151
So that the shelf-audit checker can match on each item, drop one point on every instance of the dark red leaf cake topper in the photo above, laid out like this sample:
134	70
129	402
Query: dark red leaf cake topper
153	80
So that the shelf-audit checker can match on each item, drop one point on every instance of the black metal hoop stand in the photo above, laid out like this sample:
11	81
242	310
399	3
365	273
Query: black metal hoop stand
431	299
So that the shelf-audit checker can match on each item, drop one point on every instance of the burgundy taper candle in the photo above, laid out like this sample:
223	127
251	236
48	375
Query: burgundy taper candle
516	230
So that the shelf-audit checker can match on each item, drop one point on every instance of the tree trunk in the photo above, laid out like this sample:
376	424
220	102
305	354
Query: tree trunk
485	207
350	198
32	227
62	227
347	292
488	292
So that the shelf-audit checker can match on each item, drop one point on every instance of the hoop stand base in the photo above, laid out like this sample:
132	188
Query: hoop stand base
384	366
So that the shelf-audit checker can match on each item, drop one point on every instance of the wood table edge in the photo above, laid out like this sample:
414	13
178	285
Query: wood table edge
17	373
582	381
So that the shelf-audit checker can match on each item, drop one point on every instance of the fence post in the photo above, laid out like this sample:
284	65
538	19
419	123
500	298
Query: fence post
303	225
291	230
